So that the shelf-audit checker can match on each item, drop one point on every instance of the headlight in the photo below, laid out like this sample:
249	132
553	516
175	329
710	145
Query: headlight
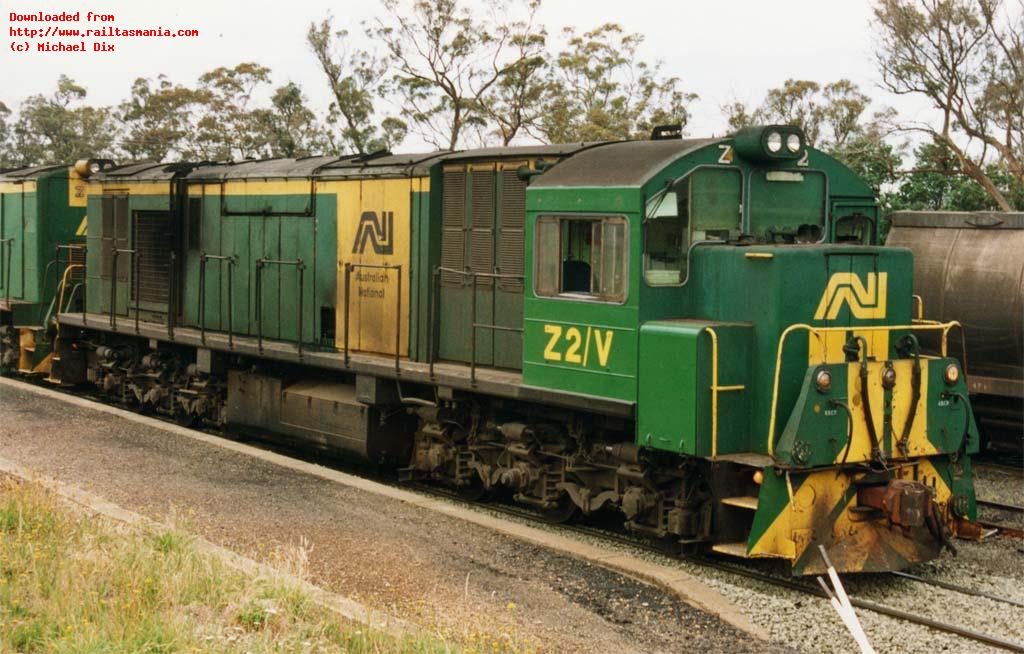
774	142
94	167
952	374
823	381
888	377
793	142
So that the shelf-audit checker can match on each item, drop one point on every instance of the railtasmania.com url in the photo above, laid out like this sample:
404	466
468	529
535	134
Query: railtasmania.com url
52	31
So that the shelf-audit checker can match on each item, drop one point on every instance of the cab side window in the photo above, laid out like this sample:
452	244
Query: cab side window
582	258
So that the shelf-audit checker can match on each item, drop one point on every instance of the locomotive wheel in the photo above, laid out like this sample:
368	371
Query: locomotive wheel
565	511
474	492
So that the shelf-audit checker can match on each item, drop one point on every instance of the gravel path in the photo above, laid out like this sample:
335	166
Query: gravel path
467	582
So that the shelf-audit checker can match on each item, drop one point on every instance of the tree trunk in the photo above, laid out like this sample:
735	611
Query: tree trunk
975	172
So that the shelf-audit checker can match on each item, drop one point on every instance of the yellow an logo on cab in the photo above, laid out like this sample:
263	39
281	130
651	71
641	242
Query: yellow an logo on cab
866	302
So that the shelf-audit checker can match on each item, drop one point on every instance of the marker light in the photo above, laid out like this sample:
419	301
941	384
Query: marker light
793	143
952	374
774	142
888	378
823	381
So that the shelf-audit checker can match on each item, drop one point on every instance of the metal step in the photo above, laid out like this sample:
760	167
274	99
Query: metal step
743	501
732	549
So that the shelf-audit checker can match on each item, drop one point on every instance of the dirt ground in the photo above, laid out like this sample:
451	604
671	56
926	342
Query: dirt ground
471	585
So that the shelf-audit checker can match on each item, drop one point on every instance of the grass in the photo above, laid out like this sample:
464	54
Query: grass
71	583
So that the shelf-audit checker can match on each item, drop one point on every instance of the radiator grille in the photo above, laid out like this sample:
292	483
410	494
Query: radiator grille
153	244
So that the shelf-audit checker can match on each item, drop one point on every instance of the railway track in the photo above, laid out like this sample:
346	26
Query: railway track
779	582
648	546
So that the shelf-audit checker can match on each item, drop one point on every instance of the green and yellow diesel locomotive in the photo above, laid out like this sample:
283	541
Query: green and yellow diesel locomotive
42	257
702	335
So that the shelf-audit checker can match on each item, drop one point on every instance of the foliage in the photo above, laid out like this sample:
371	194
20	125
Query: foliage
158	118
7	155
966	57
229	126
449	63
601	89
61	127
833	117
290	127
355	79
938	183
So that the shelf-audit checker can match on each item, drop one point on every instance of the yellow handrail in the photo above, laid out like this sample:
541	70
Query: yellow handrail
817	331
63	286
716	389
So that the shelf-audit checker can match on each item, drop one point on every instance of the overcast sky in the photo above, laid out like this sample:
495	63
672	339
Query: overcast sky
722	50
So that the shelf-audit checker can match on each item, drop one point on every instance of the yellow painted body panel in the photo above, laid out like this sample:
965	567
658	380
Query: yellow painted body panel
918	443
827	346
136	188
17	187
78	189
374	224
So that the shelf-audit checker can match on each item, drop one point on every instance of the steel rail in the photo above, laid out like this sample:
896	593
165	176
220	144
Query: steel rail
963	632
959	589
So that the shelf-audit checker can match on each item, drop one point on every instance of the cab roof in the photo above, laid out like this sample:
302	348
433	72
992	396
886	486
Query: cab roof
624	163
30	172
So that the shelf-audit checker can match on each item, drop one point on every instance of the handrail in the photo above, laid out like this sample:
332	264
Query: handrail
474	325
63	286
9	242
919	301
260	263
818	331
232	260
349	267
136	256
716	389
55	262
172	295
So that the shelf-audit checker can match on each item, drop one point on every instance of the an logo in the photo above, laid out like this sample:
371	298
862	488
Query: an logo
866	302
379	232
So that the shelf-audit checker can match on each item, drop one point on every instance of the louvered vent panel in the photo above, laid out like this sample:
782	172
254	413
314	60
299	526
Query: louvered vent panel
152	242
513	221
482	244
453	225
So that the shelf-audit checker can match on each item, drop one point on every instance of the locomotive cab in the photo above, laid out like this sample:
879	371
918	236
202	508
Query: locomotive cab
735	295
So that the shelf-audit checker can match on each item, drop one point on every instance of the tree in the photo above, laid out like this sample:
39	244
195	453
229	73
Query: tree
833	119
355	78
829	116
291	128
447	61
229	127
967	58
602	90
938	183
61	128
7	155
159	119
516	104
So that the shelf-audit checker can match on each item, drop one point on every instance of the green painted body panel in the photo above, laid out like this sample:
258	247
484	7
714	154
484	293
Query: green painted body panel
676	373
226	231
37	221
